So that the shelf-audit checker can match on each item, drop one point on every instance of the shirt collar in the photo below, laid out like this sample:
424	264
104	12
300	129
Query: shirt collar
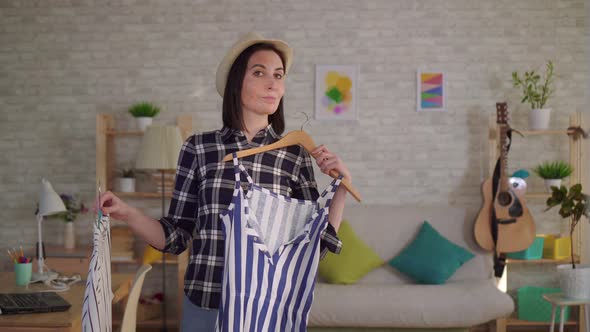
268	132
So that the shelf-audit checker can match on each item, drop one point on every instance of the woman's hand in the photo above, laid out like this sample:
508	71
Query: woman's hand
328	161
115	207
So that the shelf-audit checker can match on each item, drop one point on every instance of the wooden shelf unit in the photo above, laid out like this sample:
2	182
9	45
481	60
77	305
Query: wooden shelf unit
517	322
577	158
106	136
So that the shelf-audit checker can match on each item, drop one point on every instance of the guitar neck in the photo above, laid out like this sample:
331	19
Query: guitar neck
503	156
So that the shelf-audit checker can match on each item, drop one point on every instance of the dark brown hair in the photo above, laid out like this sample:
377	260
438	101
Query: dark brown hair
232	95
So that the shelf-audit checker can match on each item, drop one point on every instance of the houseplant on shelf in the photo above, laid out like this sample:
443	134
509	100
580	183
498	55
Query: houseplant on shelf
74	206
144	113
574	280
553	172
127	180
536	91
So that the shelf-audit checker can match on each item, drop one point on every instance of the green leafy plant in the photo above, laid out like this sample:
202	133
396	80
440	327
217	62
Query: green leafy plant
144	109
127	172
533	92
553	170
573	204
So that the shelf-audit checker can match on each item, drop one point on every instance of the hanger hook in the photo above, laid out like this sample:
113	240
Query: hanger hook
306	120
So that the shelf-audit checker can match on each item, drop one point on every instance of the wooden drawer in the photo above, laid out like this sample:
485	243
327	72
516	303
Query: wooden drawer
69	265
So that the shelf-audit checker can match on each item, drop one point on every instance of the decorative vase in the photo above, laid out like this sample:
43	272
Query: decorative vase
143	122
127	185
539	119
552	182
575	283
69	236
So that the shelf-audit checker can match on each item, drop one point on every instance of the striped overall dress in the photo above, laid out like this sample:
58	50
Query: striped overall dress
272	251
98	296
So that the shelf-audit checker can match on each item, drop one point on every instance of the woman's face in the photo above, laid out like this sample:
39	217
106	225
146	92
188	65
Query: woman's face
263	85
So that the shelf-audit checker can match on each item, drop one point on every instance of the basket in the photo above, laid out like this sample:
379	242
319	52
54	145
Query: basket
532	306
557	247
147	311
534	251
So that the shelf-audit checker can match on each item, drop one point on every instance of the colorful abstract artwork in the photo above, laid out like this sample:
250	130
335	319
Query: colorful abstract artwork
431	92
335	92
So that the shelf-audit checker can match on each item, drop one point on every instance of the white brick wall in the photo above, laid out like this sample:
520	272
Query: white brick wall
61	62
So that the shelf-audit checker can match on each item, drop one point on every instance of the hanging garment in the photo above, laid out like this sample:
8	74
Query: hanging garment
98	296
271	257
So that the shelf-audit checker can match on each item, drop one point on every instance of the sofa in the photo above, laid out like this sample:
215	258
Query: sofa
386	300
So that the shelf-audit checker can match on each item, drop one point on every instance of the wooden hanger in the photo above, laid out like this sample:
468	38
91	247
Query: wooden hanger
293	138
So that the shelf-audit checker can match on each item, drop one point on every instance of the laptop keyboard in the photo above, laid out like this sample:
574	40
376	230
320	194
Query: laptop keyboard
27	300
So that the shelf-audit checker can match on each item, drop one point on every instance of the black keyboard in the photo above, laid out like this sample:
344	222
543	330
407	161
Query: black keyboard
28	300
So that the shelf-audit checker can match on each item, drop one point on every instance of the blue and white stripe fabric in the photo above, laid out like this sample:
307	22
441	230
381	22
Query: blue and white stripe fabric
271	257
98	296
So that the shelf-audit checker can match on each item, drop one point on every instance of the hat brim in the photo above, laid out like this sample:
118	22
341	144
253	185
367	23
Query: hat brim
238	48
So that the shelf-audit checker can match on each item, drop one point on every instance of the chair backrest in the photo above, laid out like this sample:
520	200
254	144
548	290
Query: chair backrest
130	315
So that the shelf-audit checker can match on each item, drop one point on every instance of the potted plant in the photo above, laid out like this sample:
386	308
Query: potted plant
144	113
553	173
127	180
73	207
574	280
536	91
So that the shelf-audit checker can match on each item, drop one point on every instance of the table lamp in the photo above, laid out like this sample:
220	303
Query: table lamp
159	151
49	203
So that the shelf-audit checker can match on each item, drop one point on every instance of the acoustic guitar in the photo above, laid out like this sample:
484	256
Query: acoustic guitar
515	226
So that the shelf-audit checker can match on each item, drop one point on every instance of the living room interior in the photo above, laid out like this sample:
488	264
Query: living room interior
419	98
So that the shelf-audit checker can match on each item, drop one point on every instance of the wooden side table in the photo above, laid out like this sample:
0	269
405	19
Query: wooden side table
559	300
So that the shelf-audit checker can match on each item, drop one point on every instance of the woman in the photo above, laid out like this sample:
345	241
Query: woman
251	80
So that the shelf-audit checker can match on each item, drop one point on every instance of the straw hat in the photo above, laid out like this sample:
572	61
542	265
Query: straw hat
243	43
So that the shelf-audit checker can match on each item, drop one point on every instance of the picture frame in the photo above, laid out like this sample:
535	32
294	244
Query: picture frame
431	91
335	92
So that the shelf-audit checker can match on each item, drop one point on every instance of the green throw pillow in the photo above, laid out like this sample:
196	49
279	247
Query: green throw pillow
430	258
355	260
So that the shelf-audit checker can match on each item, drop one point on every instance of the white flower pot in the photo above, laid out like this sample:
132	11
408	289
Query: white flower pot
575	283
69	236
127	185
143	122
539	119
552	182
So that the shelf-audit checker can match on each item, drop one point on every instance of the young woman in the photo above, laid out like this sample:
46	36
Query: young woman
251	80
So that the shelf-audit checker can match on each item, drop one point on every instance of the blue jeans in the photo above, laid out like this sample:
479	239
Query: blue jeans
197	319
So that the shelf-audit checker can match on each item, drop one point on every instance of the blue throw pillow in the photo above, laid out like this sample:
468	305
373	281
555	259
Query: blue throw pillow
430	258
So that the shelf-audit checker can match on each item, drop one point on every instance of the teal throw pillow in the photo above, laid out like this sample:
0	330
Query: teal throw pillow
430	258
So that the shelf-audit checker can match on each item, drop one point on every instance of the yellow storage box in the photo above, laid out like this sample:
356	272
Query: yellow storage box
557	247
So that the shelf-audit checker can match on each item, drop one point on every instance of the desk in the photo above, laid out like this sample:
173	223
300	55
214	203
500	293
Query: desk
66	321
557	299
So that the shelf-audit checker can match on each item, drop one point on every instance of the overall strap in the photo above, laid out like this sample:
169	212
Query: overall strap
329	192
239	167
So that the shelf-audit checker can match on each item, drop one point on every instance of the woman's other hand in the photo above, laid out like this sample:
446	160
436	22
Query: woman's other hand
328	161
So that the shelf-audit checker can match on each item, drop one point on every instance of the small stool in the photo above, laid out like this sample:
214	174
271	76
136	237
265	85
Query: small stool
559	300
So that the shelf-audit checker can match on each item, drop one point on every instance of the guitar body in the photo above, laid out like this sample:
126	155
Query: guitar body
517	234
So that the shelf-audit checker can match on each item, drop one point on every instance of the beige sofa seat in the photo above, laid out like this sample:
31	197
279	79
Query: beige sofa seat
386	298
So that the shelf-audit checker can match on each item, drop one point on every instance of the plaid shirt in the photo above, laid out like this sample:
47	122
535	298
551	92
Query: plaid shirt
204	188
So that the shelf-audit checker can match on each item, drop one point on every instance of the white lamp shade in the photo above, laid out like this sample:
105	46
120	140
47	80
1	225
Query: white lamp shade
159	148
49	201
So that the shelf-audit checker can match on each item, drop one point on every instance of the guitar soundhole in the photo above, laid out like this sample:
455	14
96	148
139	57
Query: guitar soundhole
504	198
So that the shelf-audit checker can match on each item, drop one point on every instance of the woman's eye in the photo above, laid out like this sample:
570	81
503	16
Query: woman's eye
279	76
258	73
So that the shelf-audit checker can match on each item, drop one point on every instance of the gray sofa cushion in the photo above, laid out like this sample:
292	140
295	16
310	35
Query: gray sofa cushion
455	304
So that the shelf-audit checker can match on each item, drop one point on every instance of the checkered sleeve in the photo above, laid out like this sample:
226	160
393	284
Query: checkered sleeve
307	189
181	221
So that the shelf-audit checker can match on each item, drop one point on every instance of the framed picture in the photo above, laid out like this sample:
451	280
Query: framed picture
335	92
431	91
